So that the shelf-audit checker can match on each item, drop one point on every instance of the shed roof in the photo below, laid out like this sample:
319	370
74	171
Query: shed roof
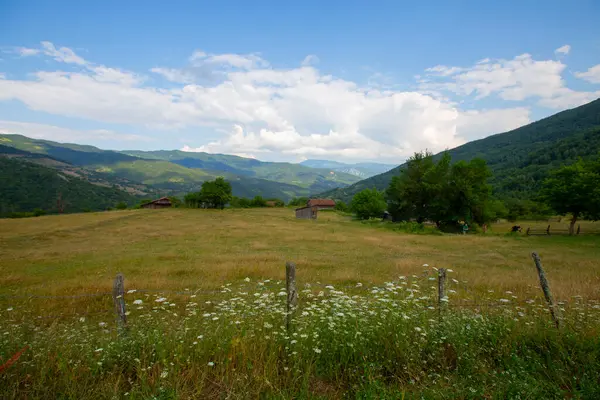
162	200
321	202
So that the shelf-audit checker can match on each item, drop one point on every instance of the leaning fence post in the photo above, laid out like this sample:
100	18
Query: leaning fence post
546	288
441	288
119	300
292	294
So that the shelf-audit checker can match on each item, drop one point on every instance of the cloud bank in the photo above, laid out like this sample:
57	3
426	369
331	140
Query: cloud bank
291	113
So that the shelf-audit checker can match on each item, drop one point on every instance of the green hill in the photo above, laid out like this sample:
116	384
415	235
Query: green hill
27	186
519	159
314	179
157	173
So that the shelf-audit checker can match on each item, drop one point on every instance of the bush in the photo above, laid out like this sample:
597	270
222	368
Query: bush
21	214
121	205
341	206
258	201
369	203
38	212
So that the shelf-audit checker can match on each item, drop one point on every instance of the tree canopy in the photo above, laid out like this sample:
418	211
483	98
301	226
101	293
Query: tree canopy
369	203
441	192
575	189
214	194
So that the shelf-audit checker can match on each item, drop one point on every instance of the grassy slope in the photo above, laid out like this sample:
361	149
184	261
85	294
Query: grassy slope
519	159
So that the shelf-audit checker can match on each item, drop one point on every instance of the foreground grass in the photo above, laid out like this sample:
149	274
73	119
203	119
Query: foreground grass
375	333
380	342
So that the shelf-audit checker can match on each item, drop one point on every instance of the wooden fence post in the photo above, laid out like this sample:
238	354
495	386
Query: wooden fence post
548	230
119	300
546	289
578	229
292	294
441	288
528	229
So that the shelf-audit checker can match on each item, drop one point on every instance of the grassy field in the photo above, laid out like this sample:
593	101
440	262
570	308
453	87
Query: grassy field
206	309
174	249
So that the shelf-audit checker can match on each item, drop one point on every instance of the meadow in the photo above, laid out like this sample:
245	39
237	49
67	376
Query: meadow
206	303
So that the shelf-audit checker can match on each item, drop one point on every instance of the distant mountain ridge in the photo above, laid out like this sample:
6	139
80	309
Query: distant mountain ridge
311	180
519	159
362	170
156	173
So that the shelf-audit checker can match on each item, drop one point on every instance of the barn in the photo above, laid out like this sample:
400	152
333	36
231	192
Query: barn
163	202
321	204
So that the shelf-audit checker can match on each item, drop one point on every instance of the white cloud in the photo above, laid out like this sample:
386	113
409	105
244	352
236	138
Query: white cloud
591	75
26	52
57	133
298	112
474	124
563	50
443	70
567	98
514	80
64	54
174	75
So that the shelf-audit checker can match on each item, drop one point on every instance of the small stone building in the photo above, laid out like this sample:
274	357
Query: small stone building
163	202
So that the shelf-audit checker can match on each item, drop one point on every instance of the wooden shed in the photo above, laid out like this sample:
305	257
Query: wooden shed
307	212
163	202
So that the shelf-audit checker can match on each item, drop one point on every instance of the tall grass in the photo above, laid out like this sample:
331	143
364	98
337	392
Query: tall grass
389	341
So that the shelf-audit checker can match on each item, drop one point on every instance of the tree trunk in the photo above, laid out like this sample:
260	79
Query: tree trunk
572	225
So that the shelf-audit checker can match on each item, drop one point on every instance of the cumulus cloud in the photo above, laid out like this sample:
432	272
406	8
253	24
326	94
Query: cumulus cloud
57	133
563	50
210	68
514	80
591	75
63	54
255	109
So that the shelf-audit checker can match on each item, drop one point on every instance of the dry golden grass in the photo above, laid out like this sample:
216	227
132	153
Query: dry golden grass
181	248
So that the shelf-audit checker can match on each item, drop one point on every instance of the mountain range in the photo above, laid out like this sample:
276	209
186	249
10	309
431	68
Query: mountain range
35	173
362	170
519	159
145	174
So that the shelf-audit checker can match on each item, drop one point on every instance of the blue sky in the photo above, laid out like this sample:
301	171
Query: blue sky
350	81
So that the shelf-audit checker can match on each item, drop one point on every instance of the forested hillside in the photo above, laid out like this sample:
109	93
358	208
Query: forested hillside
27	186
173	172
315	180
519	159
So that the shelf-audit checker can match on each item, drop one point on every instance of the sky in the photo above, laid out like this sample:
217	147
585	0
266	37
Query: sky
287	81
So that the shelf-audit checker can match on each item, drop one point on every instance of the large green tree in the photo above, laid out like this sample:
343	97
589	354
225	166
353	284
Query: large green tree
216	194
575	189
369	203
408	194
441	192
213	194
